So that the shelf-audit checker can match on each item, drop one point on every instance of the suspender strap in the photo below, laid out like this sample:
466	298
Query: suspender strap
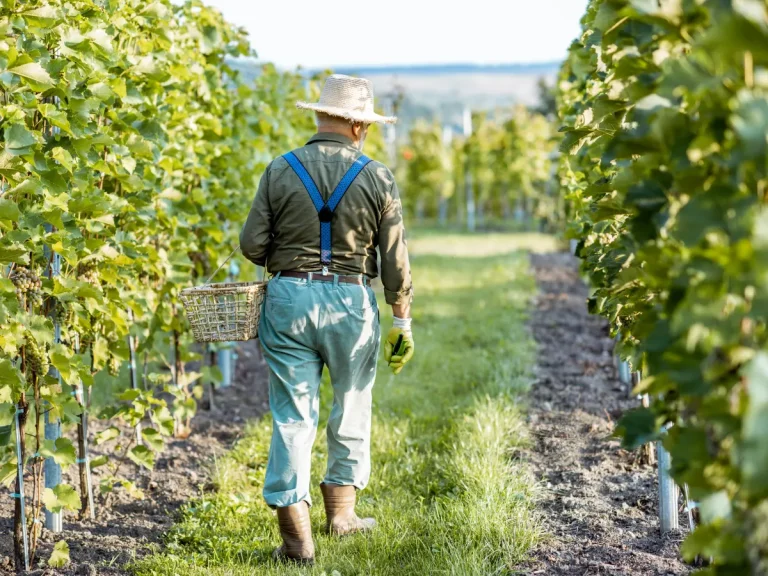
347	180
306	180
325	209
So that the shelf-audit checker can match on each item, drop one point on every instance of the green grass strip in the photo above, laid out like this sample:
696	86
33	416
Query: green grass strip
446	490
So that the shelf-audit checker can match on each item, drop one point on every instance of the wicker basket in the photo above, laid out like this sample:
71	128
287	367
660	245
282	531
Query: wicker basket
224	312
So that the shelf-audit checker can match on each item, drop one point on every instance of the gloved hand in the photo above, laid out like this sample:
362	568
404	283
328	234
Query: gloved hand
404	353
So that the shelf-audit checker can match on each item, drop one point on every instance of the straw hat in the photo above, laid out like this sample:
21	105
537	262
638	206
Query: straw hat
349	98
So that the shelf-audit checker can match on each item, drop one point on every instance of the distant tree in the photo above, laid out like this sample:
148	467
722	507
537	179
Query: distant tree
547	105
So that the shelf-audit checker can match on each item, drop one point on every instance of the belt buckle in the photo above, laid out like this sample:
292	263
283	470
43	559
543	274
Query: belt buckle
325	270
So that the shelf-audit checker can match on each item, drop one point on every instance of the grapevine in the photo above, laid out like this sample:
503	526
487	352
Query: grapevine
664	169
508	158
132	149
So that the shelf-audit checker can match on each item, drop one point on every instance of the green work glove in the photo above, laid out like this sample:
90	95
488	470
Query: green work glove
400	357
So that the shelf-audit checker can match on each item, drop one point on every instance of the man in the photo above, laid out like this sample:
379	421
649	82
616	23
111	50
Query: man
319	215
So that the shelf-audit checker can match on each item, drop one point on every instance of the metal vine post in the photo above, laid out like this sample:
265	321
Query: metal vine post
20	484
53	427
134	374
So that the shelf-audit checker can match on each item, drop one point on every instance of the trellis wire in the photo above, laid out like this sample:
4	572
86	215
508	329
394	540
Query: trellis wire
20	494
83	400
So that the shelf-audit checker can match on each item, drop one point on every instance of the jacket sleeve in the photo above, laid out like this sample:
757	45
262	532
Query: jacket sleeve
256	236
393	249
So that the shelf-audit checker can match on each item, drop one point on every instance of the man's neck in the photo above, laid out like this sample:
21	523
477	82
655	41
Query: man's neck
340	131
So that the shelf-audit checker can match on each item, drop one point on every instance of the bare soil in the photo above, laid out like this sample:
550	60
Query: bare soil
600	502
126	528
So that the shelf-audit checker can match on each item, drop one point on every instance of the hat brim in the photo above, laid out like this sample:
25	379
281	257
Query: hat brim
351	115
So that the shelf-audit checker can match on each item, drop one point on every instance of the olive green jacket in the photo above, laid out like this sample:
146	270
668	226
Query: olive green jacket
283	228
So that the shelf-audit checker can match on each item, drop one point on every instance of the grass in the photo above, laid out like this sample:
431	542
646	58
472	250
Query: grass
448	494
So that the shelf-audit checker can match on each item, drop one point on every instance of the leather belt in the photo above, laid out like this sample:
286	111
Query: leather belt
318	277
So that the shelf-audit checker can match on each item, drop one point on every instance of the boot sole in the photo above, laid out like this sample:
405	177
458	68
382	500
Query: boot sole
296	561
282	558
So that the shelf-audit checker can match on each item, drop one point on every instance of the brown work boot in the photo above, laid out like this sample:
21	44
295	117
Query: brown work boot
296	530
341	519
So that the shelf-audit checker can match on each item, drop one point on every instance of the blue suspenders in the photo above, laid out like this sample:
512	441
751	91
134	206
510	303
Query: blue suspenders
325	209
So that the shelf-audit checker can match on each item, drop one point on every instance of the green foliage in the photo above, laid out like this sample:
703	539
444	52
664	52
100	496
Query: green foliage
60	555
131	148
429	165
508	161
61	497
665	106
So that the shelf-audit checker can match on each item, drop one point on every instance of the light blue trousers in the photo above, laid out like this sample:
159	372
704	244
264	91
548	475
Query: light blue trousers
306	325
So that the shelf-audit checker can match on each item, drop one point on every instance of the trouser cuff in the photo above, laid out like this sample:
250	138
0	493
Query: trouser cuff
287	498
336	481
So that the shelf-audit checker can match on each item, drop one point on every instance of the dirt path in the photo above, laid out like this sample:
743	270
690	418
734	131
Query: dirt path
600	503
124	526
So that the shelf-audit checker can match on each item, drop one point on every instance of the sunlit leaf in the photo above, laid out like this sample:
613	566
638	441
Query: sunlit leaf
60	555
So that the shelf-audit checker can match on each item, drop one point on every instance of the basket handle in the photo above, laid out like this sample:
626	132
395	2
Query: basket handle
222	265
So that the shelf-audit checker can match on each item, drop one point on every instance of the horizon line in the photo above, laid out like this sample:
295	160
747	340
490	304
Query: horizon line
412	67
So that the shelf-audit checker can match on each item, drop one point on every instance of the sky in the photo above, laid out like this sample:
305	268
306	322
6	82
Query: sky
338	33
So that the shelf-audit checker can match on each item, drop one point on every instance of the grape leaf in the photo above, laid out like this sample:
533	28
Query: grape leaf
60	555
61	497
142	456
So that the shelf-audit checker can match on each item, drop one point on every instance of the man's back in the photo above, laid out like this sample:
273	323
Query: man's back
283	227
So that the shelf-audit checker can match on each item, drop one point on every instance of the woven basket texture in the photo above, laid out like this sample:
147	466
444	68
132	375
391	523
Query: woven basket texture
224	312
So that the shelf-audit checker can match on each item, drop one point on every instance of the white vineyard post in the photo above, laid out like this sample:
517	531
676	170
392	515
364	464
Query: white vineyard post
83	400
53	428
469	190
134	372
390	136
625	372
574	246
20	493
225	357
172	353
225	362
52	471
650	448
689	506
668	492
443	202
